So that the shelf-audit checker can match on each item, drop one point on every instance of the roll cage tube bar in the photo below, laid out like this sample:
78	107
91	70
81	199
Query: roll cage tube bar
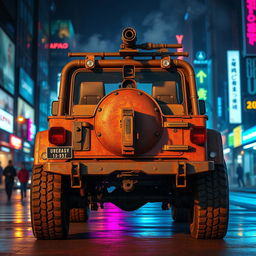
75	64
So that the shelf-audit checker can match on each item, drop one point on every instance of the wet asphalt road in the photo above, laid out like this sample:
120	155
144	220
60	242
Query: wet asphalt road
147	231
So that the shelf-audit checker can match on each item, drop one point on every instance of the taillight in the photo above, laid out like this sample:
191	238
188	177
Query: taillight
198	135
57	135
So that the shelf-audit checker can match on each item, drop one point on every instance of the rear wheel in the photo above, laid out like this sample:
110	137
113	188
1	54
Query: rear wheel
211	205
49	205
78	215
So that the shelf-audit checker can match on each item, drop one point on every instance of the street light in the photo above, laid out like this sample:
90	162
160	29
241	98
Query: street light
21	119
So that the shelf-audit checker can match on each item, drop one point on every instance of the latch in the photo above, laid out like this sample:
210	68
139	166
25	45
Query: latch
181	176
75	178
81	134
127	125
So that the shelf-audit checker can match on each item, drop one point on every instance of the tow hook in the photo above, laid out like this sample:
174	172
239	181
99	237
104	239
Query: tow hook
128	185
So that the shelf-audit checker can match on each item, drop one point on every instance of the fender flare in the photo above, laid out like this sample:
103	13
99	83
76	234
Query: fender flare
214	144
41	144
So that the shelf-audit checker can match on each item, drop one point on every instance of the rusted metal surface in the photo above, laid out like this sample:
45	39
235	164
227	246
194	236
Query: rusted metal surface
104	167
97	150
147	121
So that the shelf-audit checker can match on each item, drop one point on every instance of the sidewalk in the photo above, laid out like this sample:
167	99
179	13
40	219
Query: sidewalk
245	189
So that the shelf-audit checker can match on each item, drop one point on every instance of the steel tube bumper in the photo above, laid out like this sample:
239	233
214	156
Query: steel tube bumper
91	167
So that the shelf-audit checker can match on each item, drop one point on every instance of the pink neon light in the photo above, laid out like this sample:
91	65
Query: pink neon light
179	39
59	46
251	22
30	132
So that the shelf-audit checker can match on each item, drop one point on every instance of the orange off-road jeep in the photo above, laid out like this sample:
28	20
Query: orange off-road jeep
128	129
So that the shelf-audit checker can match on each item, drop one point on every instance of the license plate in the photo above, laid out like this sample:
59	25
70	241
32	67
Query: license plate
59	152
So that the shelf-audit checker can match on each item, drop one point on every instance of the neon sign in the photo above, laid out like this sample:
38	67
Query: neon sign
15	142
234	87
202	94
57	46
30	129
250	104
179	39
249	21
201	75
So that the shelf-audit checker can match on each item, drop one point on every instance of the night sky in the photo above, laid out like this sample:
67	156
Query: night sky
98	24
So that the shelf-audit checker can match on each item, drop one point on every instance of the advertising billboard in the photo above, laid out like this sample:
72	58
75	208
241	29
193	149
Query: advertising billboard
7	53
26	88
6	112
249	27
234	87
26	111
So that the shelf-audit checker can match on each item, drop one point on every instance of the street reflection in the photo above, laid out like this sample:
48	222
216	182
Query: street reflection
116	229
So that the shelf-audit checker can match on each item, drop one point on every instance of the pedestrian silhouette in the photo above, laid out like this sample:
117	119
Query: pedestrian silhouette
23	176
240	176
9	173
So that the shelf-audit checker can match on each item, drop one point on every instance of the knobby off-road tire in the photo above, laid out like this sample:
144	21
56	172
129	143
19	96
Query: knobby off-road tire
78	215
211	205
49	206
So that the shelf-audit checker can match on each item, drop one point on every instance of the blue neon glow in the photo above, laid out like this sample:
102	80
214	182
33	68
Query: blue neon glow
249	135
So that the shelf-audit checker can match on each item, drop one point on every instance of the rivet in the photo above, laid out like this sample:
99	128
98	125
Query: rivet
175	130
98	134
140	93
44	156
99	109
156	109
116	93
90	63
165	63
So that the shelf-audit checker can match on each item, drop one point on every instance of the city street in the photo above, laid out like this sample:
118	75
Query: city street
147	231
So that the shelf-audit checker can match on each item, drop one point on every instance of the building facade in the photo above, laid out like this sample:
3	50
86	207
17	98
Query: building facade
24	65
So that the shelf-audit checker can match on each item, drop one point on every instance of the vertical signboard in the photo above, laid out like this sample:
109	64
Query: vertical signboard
234	87
202	67
249	27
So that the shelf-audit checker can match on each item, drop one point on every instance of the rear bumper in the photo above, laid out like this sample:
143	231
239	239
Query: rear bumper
148	167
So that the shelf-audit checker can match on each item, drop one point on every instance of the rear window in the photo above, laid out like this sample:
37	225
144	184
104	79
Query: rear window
165	86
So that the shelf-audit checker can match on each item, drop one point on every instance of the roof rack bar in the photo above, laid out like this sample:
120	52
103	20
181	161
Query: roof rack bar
151	46
121	54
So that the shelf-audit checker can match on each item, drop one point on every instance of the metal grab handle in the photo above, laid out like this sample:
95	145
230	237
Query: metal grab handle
127	131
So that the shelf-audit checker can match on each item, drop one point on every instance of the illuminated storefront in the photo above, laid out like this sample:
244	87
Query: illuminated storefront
6	126
241	149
